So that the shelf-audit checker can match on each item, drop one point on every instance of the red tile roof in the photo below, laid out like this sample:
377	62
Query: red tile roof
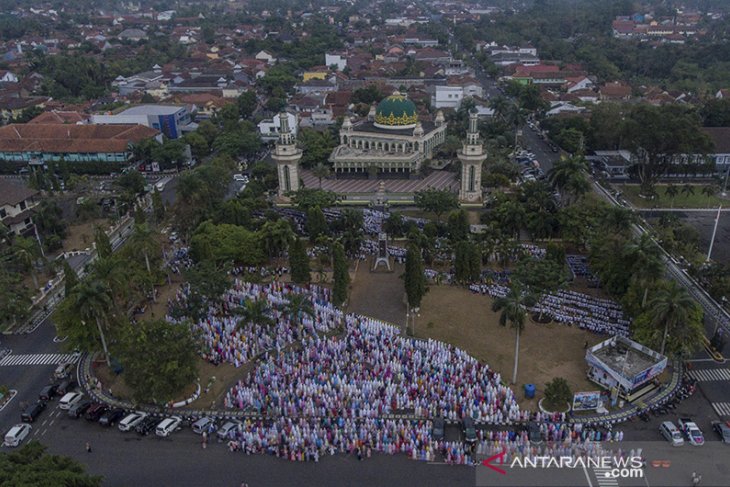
63	138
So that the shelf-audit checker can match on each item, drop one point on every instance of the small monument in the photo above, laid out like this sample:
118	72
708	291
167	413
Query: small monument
382	256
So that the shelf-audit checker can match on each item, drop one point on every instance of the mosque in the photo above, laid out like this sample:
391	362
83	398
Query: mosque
385	153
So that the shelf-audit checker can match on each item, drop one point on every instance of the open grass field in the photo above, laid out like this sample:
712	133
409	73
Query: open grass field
682	200
457	316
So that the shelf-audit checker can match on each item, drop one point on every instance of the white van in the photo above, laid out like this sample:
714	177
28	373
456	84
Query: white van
131	420
202	425
16	434
168	425
68	400
671	433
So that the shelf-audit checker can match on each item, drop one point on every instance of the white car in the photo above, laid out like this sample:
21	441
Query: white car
240	178
168	425
692	432
70	399
227	428
16	434
131	420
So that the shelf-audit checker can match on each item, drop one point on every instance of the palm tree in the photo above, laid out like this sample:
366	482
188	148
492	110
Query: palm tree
709	191
671	191
517	116
647	264
513	309
500	105
26	253
298	306
113	273
255	311
276	236
619	220
688	190
91	301
320	171
671	307
569	175
143	240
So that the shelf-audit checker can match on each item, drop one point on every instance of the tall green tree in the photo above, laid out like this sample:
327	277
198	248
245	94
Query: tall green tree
89	304
158	206
159	359
27	253
569	175
316	224
299	262
341	275
414	278
513	311
15	299
70	278
103	245
436	201
672	308
458	226
256	311
32	465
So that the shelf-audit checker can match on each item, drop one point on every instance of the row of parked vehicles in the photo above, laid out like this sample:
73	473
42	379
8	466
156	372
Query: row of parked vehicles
688	429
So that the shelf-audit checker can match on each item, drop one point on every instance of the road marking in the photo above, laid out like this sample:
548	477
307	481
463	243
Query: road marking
603	476
51	423
58	339
710	375
721	408
44	422
38	359
44	432
588	477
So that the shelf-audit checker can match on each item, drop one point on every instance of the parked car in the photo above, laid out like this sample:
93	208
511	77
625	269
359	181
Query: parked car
201	425
168	426
146	426
438	431
671	433
130	421
722	429
16	434
692	431
95	411
66	385
63	370
48	392
70	399
227	427
78	409
470	432
111	417
32	412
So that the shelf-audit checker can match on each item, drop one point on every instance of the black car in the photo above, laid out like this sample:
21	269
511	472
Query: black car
78	409
67	385
147	426
438	429
32	412
111	417
95	411
48	392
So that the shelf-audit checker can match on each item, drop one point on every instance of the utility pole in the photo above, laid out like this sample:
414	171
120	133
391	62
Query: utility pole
714	232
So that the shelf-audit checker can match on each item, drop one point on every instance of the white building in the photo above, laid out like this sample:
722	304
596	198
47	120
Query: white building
336	60
171	120
447	97
16	203
269	128
266	56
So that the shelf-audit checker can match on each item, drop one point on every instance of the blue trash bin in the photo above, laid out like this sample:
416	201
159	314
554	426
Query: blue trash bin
529	391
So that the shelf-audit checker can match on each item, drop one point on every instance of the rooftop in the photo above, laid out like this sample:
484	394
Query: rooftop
12	193
625	356
152	110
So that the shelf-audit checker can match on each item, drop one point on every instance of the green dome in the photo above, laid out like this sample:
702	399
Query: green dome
396	111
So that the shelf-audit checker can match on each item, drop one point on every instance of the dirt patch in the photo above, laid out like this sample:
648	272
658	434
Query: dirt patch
378	294
455	315
81	236
226	375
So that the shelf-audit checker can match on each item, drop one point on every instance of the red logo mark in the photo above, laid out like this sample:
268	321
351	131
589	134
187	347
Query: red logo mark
488	462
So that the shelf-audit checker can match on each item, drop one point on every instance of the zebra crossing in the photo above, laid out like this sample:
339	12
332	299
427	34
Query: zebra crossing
721	408
708	375
38	359
604	478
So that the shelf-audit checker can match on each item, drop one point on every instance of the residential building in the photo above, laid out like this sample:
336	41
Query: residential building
38	143
339	60
16	206
171	120
720	137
